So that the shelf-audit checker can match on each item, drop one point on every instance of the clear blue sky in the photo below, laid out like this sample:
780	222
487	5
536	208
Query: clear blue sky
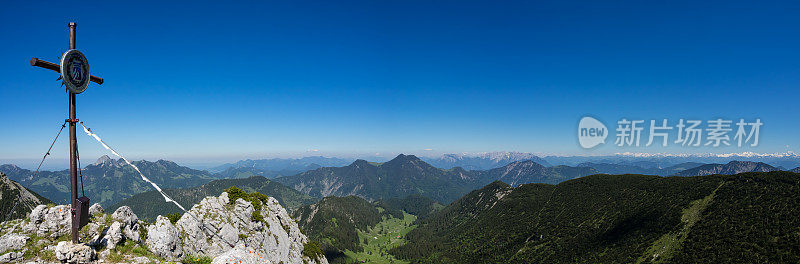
211	81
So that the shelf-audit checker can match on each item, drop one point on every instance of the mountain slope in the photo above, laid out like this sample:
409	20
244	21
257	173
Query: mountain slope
11	194
733	167
522	172
407	174
746	218
341	224
108	181
796	170
143	203
334	222
399	177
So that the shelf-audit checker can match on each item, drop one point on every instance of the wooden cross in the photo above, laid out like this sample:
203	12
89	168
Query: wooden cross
74	71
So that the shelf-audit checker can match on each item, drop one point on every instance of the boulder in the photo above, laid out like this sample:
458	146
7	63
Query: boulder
113	235
240	254
96	209
163	239
14	256
50	222
125	215
13	242
74	253
129	223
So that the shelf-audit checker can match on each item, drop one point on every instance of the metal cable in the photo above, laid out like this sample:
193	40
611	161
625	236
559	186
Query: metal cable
80	170
167	198
37	169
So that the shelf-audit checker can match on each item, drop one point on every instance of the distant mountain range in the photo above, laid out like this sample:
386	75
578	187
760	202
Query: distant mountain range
407	174
149	205
646	160
733	167
482	161
283	167
17	198
796	170
245	172
639	168
108	181
745	218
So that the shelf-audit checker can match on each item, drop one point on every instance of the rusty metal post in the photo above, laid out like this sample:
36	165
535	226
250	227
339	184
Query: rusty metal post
73	146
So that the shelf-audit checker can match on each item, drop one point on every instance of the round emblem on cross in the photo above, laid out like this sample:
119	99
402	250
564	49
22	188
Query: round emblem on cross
75	71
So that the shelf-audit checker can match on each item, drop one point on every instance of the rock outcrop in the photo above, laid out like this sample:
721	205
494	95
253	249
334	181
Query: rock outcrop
221	230
229	232
68	252
163	239
241	254
52	222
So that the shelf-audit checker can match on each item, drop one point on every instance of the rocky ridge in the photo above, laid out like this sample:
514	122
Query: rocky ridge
16	200
216	228
731	168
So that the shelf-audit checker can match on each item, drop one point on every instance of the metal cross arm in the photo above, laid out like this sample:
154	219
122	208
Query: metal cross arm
57	68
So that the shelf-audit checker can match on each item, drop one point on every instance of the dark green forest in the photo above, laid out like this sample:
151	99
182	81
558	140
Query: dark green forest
744	218
334	222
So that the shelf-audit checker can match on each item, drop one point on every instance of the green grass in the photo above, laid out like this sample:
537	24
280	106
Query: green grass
129	248
37	250
312	250
379	239
256	199
197	260
173	217
664	248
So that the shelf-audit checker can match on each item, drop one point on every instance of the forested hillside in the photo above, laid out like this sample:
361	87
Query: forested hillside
17	201
346	227
109	181
744	218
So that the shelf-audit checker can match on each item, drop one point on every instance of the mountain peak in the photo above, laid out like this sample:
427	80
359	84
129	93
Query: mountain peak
409	161
166	162
525	163
359	163
405	158
103	160
10	167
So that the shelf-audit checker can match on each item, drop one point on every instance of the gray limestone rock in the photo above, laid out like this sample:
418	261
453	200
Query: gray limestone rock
96	209
74	253
12	242
163	239
49	221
